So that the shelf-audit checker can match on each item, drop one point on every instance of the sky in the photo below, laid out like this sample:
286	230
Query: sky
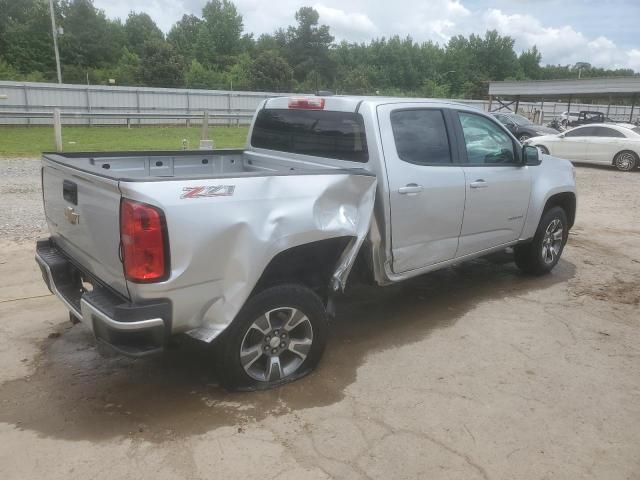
601	32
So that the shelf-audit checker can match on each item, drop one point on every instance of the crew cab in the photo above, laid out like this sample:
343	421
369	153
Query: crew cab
247	249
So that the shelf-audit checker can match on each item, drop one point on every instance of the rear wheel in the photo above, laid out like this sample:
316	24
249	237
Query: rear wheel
625	161
541	254
278	337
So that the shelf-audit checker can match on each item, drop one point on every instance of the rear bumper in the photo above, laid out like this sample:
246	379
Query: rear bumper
132	329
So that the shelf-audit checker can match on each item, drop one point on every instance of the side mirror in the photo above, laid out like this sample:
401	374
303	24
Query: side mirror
530	155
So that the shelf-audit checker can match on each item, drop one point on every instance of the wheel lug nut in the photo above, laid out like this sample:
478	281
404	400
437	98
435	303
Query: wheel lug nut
268	338
276	332
273	351
266	347
284	335
282	344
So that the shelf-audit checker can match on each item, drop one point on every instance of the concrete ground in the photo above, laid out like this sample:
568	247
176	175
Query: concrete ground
473	372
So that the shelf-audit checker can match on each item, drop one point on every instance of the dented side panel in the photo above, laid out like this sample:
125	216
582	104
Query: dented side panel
223	234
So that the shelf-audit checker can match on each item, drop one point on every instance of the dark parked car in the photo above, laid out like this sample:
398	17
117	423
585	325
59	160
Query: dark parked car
521	127
585	117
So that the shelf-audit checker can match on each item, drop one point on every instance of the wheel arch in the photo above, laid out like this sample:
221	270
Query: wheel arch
538	145
311	264
565	200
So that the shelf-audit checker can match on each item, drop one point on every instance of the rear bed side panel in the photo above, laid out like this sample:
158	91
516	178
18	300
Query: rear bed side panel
223	237
93	240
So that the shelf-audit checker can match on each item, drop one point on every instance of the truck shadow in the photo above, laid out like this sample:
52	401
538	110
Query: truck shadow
75	393
610	168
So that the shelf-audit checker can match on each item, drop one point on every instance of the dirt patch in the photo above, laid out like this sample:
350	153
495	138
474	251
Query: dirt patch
75	393
472	372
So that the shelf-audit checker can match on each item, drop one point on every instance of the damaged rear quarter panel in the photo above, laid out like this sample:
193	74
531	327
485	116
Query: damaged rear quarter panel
220	245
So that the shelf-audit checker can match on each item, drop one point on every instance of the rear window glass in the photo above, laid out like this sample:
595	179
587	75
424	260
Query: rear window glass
608	132
320	133
421	136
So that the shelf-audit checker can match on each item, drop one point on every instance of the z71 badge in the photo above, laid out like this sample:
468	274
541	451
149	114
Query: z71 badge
208	191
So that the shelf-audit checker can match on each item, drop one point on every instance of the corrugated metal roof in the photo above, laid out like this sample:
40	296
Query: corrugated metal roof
586	86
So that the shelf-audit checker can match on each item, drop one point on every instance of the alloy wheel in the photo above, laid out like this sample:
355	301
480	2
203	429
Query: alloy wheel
625	161
552	241
276	344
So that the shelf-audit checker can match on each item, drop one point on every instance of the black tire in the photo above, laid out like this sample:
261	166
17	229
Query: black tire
534	257
625	161
275	304
543	149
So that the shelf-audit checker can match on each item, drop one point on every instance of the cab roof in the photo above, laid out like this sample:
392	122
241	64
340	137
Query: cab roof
352	103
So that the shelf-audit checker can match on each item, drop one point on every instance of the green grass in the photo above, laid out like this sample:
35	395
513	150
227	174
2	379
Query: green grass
32	141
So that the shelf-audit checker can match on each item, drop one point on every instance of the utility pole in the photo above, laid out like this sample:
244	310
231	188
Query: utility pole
54	32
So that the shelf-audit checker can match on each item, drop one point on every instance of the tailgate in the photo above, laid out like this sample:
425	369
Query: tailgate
83	214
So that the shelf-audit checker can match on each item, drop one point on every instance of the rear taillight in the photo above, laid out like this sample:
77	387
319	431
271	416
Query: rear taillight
307	103
144	246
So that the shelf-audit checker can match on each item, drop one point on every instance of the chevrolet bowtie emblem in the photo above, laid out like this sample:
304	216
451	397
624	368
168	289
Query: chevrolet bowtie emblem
71	215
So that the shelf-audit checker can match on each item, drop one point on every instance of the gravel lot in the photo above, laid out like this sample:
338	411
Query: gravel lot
21	215
473	372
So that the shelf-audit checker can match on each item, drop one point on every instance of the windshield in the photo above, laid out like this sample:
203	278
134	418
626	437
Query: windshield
520	120
636	130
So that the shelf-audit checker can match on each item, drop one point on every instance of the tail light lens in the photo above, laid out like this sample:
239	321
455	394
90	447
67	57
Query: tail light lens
144	246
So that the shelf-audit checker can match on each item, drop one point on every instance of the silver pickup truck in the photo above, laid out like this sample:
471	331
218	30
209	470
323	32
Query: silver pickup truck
247	249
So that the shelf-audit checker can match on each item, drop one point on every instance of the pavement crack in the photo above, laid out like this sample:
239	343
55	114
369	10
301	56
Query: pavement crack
19	299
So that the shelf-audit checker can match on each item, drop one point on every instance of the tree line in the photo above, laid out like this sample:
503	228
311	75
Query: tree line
213	51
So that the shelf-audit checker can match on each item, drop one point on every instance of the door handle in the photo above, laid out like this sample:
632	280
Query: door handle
480	183
410	189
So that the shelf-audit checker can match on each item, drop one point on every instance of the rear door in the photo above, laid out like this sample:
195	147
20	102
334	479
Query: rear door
497	185
603	144
426	187
83	212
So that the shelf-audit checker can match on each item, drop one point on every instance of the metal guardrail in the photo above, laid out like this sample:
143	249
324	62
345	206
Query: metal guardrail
43	114
28	97
128	116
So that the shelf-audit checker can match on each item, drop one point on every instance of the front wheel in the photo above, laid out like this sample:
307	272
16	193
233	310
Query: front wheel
543	149
541	254
625	161
524	137
278	336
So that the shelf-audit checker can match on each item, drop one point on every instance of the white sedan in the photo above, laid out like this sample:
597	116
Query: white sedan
601	143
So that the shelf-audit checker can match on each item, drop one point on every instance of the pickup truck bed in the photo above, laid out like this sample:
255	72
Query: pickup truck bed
162	165
227	213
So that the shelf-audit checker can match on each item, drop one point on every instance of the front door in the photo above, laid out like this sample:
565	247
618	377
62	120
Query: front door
573	145
497	186
426	187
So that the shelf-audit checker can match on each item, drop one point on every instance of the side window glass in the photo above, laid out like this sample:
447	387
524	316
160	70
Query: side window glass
485	141
608	132
580	132
421	136
590	132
